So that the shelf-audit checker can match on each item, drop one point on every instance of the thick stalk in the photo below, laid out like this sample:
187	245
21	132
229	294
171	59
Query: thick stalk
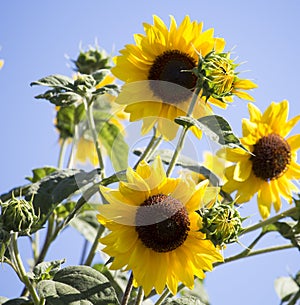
73	147
92	127
128	289
140	297
167	294
62	152
257	252
48	240
93	250
147	150
269	220
21	270
182	134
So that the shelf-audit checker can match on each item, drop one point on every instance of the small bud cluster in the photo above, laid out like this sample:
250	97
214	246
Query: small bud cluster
222	223
18	215
91	61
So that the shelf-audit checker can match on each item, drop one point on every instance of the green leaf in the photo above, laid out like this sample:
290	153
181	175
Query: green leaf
215	127
17	301
55	81
183	301
286	288
45	270
60	98
54	188
39	173
110	89
78	285
289	230
99	75
115	145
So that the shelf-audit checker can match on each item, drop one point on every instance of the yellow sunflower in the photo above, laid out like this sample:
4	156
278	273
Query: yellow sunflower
1	63
154	228
268	171
158	85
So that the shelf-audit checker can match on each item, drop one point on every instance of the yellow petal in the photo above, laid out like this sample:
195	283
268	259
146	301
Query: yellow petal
242	170
264	200
245	84
294	142
243	95
255	113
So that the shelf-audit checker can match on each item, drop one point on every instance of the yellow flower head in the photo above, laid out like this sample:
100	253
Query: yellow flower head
156	71
1	63
268	171
154	228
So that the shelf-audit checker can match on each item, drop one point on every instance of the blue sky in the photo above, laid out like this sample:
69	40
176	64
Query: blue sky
36	35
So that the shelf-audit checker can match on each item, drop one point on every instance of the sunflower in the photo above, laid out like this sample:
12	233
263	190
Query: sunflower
156	71
271	166
1	63
154	228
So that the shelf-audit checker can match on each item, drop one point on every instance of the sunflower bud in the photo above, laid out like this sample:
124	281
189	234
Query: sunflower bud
220	74
91	61
18	215
222	224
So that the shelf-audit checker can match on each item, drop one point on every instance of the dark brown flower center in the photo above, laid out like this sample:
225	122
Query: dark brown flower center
162	223
272	155
169	68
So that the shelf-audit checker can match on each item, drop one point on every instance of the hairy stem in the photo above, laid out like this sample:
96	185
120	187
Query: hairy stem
21	270
92	126
269	220
183	133
140	296
154	142
93	250
62	152
128	289
257	252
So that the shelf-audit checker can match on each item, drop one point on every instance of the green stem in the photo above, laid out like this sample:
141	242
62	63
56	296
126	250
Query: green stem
147	150
167	294
183	133
177	150
22	272
140	296
93	250
128	289
92	126
74	144
62	152
35	245
163	296
257	252
48	240
269	220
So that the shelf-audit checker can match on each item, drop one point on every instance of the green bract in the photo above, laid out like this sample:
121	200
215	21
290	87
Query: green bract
18	215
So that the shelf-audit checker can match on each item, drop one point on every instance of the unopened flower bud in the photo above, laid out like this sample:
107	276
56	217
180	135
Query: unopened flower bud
222	223
91	61
18	215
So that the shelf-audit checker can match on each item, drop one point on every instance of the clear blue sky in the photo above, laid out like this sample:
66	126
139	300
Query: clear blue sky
34	38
